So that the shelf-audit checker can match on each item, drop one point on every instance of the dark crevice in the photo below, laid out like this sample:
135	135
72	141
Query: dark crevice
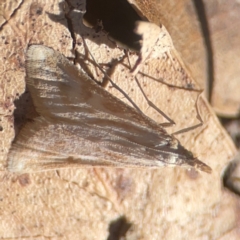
230	178
118	19
202	16
233	128
118	228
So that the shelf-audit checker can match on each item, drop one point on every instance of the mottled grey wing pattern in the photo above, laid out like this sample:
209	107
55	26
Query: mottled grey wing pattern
81	124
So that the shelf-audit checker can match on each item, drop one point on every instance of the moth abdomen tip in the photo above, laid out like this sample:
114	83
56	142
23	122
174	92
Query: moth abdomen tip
202	166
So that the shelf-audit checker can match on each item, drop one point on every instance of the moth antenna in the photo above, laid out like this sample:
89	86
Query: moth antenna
184	130
151	104
201	166
189	88
114	84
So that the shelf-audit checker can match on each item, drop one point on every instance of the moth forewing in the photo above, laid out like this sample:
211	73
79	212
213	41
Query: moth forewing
81	124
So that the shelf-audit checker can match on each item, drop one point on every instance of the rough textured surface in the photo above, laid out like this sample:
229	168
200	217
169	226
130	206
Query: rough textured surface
180	19
219	75
84	203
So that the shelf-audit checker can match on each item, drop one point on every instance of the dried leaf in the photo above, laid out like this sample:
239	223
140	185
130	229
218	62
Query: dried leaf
97	197
208	47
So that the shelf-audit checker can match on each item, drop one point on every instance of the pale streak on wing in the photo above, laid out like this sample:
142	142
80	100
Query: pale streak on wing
82	124
55	146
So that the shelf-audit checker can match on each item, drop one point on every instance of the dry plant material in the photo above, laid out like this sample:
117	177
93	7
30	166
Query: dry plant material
166	203
81	124
211	54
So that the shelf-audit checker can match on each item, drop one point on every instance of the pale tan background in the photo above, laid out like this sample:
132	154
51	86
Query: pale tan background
168	203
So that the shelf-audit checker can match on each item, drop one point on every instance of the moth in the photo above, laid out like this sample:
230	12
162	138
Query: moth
81	124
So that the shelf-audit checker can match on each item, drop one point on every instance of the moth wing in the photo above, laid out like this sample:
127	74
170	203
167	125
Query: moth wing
61	91
81	123
42	145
